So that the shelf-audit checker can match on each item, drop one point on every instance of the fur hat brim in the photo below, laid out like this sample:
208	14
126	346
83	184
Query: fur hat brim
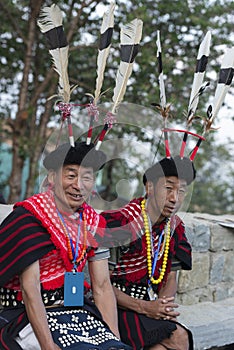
183	168
81	154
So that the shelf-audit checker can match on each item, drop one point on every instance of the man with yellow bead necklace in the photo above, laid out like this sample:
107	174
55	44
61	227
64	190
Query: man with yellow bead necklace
144	276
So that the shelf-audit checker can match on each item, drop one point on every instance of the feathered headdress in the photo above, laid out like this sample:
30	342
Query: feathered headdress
130	37
163	104
163	107
198	87
50	23
103	52
223	85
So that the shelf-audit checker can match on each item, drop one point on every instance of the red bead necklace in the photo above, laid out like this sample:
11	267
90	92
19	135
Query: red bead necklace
75	260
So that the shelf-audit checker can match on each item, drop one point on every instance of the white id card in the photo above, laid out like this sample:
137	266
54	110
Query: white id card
151	293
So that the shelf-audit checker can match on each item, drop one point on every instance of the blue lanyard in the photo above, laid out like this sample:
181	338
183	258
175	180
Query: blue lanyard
155	259
74	251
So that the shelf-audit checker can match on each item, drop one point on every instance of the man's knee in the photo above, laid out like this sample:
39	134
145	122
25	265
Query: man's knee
179	339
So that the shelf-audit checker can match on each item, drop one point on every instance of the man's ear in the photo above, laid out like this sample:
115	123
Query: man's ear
149	187
51	177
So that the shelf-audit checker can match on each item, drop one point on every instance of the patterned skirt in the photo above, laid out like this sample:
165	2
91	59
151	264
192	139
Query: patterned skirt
79	329
71	328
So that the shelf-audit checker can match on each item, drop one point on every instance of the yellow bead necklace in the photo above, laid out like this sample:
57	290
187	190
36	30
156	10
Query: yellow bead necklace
148	245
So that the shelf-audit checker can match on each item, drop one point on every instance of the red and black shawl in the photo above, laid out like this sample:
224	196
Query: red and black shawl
131	266
33	229
28	234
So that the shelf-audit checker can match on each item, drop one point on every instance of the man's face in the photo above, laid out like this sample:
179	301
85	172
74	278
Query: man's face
72	186
169	193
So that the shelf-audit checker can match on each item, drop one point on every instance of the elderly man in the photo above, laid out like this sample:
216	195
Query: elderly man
45	243
144	277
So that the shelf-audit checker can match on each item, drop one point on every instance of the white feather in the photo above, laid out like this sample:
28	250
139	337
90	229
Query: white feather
108	22
60	61
222	88
50	17
160	78
204	50
130	35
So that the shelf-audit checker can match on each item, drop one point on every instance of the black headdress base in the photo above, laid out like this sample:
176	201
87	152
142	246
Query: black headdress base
80	154
183	168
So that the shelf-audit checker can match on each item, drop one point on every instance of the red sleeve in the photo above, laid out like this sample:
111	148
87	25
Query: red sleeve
181	248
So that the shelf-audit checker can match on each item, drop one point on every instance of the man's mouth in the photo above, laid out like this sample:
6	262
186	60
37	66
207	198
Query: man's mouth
170	209
76	196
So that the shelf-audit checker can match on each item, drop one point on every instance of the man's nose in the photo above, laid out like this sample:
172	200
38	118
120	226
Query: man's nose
78	183
174	196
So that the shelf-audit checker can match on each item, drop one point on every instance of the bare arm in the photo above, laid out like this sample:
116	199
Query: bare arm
30	285
103	293
170	288
151	308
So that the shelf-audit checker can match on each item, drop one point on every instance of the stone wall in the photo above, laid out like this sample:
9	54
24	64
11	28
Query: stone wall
212	277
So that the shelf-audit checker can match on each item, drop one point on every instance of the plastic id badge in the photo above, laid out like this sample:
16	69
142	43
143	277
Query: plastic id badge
151	294
74	289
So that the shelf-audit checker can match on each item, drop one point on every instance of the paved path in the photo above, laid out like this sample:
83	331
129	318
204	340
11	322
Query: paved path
212	324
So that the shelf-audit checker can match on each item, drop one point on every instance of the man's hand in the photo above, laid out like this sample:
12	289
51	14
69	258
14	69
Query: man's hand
161	308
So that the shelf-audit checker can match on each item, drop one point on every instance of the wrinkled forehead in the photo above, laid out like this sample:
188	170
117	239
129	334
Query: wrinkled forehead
172	180
73	168
79	169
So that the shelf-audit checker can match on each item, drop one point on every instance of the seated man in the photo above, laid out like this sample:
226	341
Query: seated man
144	277
45	243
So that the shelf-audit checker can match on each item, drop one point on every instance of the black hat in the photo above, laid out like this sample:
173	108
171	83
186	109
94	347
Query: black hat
183	168
81	154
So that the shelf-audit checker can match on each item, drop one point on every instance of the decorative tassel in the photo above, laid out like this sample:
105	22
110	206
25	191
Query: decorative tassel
103	52
50	24
130	37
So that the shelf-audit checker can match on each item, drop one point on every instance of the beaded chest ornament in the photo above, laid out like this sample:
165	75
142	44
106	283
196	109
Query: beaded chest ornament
157	253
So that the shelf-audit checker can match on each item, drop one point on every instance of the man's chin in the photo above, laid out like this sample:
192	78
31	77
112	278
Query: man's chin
70	205
167	213
76	203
